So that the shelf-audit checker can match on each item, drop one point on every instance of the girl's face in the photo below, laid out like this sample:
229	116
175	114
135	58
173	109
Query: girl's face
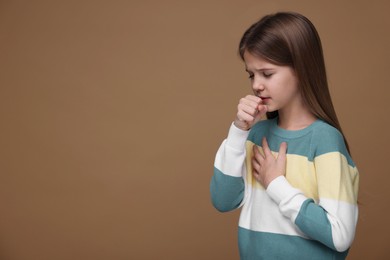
277	86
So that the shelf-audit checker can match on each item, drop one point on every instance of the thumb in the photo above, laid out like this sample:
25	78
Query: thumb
262	110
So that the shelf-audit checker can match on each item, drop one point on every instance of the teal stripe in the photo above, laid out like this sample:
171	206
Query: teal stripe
312	221
317	139
226	191
329	139
262	245
299	145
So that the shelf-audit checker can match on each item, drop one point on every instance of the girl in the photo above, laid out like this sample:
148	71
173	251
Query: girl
292	173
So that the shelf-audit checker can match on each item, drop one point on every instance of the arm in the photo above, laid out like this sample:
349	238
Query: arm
227	186
332	221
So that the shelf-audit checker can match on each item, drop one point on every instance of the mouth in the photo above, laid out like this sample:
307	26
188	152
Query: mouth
265	99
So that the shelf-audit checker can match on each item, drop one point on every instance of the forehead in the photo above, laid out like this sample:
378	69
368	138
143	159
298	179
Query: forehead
257	62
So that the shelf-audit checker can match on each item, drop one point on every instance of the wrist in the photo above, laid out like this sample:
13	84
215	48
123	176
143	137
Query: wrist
241	125
280	189
236	138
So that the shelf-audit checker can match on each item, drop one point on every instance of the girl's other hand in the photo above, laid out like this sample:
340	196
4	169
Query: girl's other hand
250	111
266	167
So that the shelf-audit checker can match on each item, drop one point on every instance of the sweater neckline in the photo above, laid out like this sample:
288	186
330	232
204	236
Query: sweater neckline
292	133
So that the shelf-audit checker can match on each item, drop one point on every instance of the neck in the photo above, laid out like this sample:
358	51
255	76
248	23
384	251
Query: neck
295	119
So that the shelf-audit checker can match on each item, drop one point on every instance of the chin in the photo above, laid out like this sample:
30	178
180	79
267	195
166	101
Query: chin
272	113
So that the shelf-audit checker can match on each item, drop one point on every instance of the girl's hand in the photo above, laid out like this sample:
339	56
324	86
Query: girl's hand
266	167
250	111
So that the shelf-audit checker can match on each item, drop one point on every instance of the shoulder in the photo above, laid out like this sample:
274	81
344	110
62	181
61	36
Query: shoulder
259	130
327	139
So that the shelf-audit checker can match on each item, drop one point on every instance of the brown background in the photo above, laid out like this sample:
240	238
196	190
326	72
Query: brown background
112	111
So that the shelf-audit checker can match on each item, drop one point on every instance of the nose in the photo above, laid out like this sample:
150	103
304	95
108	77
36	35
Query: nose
257	86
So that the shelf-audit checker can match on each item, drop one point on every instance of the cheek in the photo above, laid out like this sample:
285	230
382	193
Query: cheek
290	86
281	88
285	92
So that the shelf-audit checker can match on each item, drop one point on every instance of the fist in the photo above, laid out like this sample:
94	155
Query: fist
249	111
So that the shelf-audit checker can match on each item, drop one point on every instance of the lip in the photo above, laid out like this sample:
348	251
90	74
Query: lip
265	99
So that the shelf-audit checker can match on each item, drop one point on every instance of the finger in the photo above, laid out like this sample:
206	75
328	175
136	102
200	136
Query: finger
261	111
257	154
262	108
242	116
267	151
255	175
253	98
255	165
248	108
250	100
282	150
255	172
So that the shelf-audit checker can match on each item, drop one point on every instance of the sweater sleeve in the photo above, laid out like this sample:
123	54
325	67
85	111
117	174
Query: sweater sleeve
332	220
227	187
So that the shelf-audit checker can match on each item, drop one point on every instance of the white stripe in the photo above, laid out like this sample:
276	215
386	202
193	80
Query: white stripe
343	218
265	216
230	158
230	161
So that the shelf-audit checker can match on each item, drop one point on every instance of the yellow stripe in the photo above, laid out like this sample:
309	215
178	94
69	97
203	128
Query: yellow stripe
300	173
337	178
329	176
249	176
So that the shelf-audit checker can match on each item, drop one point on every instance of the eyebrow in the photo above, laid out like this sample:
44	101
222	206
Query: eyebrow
261	70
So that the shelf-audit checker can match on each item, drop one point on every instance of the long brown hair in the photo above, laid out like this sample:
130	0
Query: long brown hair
290	39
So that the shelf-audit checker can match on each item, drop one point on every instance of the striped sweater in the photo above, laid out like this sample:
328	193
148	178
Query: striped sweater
310	213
